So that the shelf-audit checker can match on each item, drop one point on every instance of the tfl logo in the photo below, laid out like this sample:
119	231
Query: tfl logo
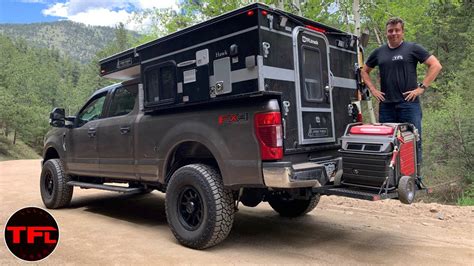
31	234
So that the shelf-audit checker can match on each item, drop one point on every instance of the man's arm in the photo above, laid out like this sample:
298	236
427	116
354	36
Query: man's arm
365	73
434	67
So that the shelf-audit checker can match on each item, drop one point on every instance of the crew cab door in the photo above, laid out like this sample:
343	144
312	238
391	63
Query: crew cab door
82	140
313	89
116	135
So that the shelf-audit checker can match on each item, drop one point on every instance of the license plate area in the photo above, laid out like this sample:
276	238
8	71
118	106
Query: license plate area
330	168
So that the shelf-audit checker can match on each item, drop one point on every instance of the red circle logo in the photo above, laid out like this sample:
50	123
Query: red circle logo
31	234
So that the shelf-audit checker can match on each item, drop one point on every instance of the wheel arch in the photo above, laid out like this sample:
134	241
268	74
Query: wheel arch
50	153
189	152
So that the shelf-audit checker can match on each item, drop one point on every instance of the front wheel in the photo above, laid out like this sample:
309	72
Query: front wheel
199	209
55	192
293	207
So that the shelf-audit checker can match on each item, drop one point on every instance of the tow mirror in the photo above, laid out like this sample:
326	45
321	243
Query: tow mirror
57	117
364	38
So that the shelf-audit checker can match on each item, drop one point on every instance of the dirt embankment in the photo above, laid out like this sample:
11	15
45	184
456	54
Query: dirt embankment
109	228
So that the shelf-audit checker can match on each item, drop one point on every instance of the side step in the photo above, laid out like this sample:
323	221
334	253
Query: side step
105	187
359	193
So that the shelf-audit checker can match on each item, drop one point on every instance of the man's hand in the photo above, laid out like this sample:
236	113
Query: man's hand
378	94
410	96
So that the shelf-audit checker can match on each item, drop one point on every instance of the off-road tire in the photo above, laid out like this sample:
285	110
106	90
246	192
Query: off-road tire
55	193
406	189
217	206
293	207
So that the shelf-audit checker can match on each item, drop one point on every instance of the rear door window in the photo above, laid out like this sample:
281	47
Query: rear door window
123	101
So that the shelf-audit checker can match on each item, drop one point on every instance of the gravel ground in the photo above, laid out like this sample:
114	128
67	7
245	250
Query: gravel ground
109	228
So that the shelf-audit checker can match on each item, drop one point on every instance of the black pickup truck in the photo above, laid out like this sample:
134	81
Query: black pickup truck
247	107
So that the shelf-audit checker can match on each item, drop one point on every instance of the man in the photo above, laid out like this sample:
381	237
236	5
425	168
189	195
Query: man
400	91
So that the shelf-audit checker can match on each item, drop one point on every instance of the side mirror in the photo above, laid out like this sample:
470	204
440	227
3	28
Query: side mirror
57	117
364	38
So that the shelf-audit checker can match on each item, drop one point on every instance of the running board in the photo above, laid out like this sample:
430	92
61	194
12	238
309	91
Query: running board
105	187
358	193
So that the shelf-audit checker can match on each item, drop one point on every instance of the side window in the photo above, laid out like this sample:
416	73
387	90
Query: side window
160	84
311	70
123	101
92	111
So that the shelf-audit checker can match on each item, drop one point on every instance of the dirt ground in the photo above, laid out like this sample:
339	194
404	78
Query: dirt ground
110	228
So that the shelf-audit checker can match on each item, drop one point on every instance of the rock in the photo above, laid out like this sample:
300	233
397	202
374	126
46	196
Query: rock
433	210
426	224
440	216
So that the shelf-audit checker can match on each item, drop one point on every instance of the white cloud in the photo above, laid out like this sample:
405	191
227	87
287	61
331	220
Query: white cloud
101	17
105	12
57	10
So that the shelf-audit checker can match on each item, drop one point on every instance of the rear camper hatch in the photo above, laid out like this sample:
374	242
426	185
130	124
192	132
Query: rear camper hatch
313	94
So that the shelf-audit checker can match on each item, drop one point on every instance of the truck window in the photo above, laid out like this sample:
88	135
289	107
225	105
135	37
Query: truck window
313	89
92	111
123	101
160	84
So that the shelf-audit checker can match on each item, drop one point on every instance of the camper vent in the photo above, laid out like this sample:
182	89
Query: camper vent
364	147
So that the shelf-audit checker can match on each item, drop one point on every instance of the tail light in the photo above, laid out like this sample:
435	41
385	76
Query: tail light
269	133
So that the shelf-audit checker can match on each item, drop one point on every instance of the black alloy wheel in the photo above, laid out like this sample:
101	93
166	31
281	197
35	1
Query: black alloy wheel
190	208
48	183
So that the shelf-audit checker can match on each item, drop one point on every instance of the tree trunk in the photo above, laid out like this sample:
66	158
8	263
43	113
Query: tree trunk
14	137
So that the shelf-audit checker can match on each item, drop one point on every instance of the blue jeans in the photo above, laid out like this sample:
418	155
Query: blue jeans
404	112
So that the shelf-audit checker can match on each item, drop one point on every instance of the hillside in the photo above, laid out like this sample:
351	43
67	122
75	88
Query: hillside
75	40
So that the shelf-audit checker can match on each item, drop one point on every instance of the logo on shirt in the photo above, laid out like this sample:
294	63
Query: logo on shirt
397	57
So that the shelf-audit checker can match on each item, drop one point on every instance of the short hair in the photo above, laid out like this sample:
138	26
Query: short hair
395	21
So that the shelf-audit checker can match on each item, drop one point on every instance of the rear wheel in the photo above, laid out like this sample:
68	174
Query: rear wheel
199	210
293	207
406	189
55	192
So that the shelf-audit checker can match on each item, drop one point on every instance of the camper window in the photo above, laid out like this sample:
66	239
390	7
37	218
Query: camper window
311	70
160	84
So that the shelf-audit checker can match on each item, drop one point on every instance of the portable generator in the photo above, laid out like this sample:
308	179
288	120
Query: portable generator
381	157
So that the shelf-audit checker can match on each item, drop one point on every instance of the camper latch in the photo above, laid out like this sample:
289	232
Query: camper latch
266	49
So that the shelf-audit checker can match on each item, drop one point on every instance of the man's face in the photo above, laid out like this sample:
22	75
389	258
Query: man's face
394	34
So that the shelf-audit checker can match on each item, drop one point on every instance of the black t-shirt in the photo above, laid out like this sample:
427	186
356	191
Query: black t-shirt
397	68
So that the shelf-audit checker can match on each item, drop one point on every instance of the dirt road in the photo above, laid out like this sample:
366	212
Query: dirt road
109	228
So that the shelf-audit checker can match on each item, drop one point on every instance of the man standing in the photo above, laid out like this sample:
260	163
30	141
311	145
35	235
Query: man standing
400	91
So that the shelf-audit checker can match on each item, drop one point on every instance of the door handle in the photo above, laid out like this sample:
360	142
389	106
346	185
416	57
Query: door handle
91	132
124	130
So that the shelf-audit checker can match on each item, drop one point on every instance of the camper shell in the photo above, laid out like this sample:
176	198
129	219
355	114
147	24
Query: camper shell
255	51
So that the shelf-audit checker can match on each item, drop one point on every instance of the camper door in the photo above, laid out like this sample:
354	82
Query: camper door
313	89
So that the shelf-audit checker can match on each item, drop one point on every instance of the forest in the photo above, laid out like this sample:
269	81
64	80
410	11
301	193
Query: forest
33	79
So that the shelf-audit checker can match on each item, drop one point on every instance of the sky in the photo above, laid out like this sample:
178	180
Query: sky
90	12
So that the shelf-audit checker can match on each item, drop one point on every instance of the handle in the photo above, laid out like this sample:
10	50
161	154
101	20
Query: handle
124	130
91	132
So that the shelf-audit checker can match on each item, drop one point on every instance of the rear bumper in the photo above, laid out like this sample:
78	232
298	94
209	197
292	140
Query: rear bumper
308	174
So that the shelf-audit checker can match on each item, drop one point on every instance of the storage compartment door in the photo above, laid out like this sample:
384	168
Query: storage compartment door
313	89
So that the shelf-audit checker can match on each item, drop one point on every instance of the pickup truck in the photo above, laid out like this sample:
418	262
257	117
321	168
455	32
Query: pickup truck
244	108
